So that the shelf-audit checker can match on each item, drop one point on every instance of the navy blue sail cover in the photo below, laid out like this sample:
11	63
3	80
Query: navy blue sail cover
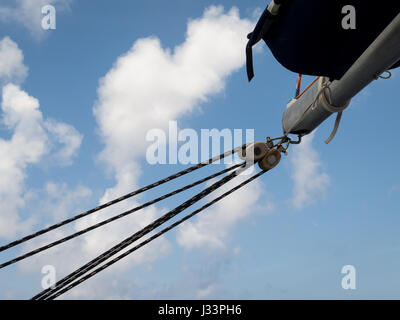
307	36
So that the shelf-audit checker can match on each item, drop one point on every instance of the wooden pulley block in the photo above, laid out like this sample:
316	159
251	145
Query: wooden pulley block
254	152
271	160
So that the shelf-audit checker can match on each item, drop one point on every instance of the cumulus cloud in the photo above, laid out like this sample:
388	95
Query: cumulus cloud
28	13
149	85
146	88
12	68
32	138
60	201
310	182
29	143
67	137
56	202
213	226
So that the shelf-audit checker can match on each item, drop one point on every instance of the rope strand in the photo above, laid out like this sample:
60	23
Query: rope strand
121	215
123	255
122	245
110	203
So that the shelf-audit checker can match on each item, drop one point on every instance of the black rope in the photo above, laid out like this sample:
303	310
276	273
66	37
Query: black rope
108	264
121	215
110	203
122	245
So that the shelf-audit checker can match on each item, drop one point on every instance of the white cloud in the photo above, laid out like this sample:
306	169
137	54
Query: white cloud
60	201
29	13
32	138
147	87
67	136
107	236
206	292
27	146
213	226
12	68
310	182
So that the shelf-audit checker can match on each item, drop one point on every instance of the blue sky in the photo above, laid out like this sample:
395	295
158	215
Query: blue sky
285	237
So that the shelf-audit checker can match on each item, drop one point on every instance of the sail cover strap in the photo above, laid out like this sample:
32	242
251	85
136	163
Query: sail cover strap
260	31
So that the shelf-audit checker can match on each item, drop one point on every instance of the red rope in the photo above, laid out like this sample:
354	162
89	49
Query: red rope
298	96
298	86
